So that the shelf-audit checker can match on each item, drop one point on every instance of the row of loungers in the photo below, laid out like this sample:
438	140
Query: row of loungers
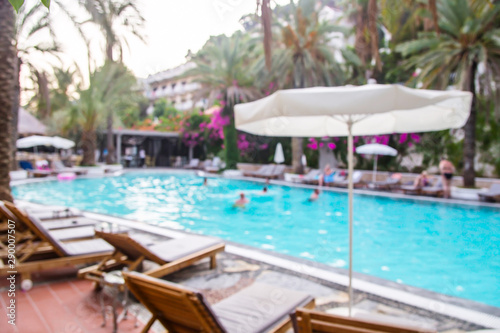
257	308
392	183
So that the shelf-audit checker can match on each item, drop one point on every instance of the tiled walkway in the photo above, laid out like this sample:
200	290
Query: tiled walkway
69	306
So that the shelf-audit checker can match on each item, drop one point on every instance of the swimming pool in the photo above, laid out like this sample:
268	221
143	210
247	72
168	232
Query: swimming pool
450	249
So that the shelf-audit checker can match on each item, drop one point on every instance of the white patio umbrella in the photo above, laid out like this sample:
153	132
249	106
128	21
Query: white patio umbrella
37	140
376	149
348	111
279	156
62	143
33	141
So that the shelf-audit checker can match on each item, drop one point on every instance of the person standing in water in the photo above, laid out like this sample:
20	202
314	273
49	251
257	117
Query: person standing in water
447	169
241	202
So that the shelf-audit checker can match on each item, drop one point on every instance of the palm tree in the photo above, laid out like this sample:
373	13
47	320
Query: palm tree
466	52
109	87
222	70
303	56
7	79
113	17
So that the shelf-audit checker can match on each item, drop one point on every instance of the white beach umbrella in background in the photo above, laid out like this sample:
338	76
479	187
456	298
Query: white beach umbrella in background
347	111
33	141
62	143
376	149
279	156
37	140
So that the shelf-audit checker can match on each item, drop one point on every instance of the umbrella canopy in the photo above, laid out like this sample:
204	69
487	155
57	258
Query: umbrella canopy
347	111
376	149
62	143
279	157
37	140
33	141
28	124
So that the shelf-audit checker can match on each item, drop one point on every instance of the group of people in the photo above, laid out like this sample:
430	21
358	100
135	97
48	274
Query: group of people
446	170
243	200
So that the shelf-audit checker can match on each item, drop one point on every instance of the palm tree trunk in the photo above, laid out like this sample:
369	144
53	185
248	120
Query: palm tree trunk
88	146
470	132
298	143
7	75
15	111
110	158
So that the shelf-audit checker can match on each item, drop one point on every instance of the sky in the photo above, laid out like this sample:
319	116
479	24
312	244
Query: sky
172	28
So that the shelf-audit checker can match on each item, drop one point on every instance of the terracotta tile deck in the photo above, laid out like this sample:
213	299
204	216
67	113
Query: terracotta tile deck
69	306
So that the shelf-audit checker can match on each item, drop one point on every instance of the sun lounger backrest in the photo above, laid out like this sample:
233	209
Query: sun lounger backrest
279	169
178	308
356	176
495	188
310	321
36	228
129	246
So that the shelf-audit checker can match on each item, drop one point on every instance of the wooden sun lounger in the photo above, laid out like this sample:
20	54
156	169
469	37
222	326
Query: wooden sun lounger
47	252
254	309
171	255
310	321
492	195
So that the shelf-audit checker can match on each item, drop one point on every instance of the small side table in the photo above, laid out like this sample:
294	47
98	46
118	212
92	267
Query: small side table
113	284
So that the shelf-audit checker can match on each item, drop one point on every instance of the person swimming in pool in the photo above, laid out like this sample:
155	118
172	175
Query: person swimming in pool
241	202
314	196
447	169
264	190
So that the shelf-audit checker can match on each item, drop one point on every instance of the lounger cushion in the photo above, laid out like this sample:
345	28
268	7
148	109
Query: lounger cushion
86	247
68	223
258	308
73	233
178	248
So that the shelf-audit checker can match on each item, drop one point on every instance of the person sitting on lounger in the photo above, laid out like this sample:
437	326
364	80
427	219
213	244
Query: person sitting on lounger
422	180
241	202
327	176
314	196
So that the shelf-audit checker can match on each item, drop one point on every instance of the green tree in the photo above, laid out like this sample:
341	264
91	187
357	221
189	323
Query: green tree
469	37
222	70
303	56
117	21
109	87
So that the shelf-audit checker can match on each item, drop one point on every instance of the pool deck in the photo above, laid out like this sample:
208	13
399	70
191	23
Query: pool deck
240	265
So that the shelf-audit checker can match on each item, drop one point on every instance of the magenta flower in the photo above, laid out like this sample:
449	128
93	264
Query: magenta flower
332	146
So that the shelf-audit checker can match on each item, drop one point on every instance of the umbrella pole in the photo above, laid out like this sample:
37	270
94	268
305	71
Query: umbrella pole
350	171
374	167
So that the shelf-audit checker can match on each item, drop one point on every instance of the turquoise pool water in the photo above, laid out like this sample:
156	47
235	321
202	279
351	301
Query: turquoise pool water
446	248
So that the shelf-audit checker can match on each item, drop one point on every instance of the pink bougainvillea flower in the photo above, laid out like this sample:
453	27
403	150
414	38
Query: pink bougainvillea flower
332	145
403	137
415	137
313	146
263	146
321	144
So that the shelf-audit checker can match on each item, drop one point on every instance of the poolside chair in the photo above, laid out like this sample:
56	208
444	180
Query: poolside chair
171	255
263	171
215	166
58	166
390	183
45	251
193	164
493	193
312	177
277	172
255	309
310	321
356	180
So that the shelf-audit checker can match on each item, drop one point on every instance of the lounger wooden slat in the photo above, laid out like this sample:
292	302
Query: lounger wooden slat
65	254
171	255
181	309
310	321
